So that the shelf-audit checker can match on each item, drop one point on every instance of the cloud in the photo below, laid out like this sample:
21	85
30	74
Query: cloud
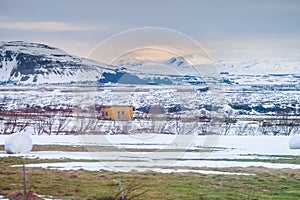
46	26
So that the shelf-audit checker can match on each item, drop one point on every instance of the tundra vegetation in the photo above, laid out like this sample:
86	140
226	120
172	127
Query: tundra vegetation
80	184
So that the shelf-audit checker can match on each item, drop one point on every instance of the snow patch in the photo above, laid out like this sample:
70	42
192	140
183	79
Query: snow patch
95	166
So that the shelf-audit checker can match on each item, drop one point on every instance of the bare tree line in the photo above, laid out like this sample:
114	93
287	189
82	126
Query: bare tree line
281	124
67	123
54	120
52	123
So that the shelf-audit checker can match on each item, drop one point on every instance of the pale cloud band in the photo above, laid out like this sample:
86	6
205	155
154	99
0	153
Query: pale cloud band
228	29
47	26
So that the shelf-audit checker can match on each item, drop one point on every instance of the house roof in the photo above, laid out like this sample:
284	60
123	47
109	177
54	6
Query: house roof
117	106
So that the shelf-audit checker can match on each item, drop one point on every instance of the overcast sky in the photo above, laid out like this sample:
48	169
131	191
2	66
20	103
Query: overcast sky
228	29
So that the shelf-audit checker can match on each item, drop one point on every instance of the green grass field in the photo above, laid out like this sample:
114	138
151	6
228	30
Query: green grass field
80	184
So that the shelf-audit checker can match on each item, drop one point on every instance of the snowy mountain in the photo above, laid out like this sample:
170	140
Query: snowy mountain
178	62
275	75
260	67
23	63
174	71
31	63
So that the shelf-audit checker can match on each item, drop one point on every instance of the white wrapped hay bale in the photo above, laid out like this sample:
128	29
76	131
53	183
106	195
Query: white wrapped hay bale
18	143
295	142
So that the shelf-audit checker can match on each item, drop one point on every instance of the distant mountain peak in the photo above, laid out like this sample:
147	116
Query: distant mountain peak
179	61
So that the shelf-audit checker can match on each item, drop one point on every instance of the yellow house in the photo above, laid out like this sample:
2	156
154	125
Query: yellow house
123	113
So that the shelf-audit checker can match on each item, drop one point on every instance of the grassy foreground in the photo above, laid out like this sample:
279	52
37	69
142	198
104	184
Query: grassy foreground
80	184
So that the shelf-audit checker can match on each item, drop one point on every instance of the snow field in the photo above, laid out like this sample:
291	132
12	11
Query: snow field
163	153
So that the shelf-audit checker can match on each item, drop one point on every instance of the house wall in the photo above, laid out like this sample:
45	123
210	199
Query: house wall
118	113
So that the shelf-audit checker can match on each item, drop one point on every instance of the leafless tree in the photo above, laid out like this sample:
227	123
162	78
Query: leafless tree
229	120
24	122
11	122
63	120
49	122
246	129
287	122
86	123
39	125
133	191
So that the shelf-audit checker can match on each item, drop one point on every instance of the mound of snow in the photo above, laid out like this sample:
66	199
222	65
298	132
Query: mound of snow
295	142
18	143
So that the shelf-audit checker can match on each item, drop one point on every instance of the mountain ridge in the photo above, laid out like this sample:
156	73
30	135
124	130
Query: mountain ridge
34	63
26	63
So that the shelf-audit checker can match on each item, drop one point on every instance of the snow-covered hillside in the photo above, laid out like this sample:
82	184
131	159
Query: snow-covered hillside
32	63
24	63
260	67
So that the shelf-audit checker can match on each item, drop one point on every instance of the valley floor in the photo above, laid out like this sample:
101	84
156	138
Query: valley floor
161	153
207	165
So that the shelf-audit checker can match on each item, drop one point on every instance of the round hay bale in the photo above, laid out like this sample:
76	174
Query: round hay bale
295	142
18	143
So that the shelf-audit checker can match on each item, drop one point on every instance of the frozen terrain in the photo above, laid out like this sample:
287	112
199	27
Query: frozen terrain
259	97
165	153
54	95
253	112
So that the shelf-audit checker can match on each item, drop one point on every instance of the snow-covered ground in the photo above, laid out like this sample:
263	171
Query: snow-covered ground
233	145
164	153
72	108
